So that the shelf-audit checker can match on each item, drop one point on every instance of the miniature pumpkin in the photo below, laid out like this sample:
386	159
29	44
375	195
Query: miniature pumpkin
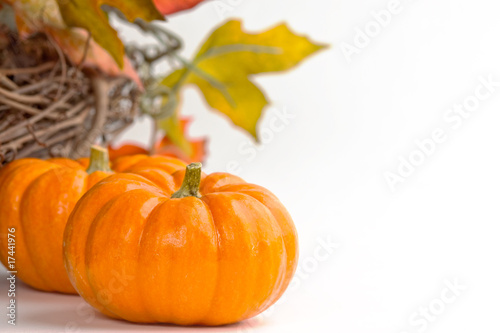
36	198
216	251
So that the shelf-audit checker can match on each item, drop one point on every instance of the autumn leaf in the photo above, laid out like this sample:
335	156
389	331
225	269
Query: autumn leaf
72	43
34	16
223	67
87	14
167	7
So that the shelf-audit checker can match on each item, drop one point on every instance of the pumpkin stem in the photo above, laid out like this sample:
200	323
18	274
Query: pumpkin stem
99	160
191	184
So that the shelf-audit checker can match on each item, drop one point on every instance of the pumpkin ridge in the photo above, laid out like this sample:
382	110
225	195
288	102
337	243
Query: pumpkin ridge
21	237
241	304
253	190
123	163
50	283
212	182
140	247
158	177
280	279
177	261
202	319
86	258
73	249
139	251
143	199
165	163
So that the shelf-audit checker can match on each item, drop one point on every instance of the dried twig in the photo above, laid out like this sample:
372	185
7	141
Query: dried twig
50	107
22	107
8	83
64	68
26	99
31	70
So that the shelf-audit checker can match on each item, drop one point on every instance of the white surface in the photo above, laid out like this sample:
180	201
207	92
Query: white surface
352	122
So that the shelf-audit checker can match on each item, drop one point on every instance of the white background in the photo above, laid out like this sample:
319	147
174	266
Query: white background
352	122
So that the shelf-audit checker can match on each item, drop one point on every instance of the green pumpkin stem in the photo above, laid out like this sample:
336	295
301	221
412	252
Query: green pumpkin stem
191	184
99	160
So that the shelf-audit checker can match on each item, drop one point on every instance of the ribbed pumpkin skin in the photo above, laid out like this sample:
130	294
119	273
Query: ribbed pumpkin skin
165	163
36	198
134	253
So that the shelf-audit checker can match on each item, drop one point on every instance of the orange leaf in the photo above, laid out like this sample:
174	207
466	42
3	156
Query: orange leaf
34	16
72	42
167	7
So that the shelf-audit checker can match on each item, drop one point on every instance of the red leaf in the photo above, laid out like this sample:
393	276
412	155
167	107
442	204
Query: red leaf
167	7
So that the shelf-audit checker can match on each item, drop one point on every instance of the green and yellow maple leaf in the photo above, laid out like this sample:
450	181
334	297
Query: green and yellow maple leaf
223	67
87	14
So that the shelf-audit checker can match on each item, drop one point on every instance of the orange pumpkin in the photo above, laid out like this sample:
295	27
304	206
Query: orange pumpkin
217	251
36	198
